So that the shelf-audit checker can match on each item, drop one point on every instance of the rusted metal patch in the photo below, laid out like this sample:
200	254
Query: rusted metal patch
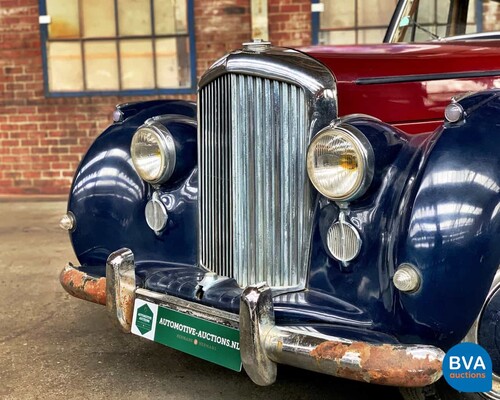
120	287
83	286
127	302
380	364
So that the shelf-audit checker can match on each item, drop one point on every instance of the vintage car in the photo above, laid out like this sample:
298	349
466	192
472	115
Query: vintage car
333	208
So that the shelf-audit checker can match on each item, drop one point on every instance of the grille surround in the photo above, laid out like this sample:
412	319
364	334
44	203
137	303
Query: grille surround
233	238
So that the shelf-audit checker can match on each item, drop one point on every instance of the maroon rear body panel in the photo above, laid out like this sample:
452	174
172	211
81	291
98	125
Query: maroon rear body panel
409	85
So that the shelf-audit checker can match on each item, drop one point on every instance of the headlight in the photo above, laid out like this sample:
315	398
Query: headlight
153	153
340	163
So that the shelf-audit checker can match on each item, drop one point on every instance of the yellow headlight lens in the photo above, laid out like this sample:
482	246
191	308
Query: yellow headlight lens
153	153
339	163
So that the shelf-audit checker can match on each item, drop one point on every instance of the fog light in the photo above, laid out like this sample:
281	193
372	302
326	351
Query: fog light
343	240
406	278
68	221
156	213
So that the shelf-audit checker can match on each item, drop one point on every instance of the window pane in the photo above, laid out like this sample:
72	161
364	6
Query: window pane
166	63
338	14
172	62
98	18
375	12
338	37
170	17
441	30
134	17
184	59
426	11
137	64
443	8
181	14
101	65
64	14
65	67
371	35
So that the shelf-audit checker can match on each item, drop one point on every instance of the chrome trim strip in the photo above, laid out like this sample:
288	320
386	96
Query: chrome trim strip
425	77
166	118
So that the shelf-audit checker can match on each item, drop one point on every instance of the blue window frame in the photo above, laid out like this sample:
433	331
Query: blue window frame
118	47
315	15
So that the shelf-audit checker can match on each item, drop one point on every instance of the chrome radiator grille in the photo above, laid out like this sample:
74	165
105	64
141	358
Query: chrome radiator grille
255	198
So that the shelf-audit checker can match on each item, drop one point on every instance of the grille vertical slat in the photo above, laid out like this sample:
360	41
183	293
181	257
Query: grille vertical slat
211	190
240	175
251	181
285	167
259	175
276	106
304	203
269	161
227	199
255	215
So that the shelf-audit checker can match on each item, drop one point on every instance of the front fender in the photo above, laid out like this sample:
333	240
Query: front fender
452	234
108	197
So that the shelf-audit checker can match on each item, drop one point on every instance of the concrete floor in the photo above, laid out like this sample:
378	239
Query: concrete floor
53	346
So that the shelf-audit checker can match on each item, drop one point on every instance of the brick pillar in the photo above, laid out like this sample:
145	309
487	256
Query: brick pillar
221	26
491	17
290	22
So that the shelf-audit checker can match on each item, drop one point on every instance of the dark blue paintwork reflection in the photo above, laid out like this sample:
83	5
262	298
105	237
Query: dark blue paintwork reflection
108	197
453	230
434	203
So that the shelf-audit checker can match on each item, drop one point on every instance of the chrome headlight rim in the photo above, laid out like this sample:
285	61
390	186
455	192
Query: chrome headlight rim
166	146
365	157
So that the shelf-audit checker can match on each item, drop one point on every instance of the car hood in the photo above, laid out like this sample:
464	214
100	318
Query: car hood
409	85
350	63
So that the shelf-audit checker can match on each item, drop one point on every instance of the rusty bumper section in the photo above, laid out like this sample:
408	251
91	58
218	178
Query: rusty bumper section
79	284
382	364
116	291
263	344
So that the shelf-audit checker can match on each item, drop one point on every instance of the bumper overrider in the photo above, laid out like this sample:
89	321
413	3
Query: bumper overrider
263	344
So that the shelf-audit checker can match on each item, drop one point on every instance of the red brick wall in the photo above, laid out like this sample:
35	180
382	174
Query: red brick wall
290	22
220	26
43	139
492	16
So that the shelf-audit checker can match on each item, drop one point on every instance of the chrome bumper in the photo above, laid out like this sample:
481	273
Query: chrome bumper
263	344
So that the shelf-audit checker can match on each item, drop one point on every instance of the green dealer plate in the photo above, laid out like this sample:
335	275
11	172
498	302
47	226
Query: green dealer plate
208	340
